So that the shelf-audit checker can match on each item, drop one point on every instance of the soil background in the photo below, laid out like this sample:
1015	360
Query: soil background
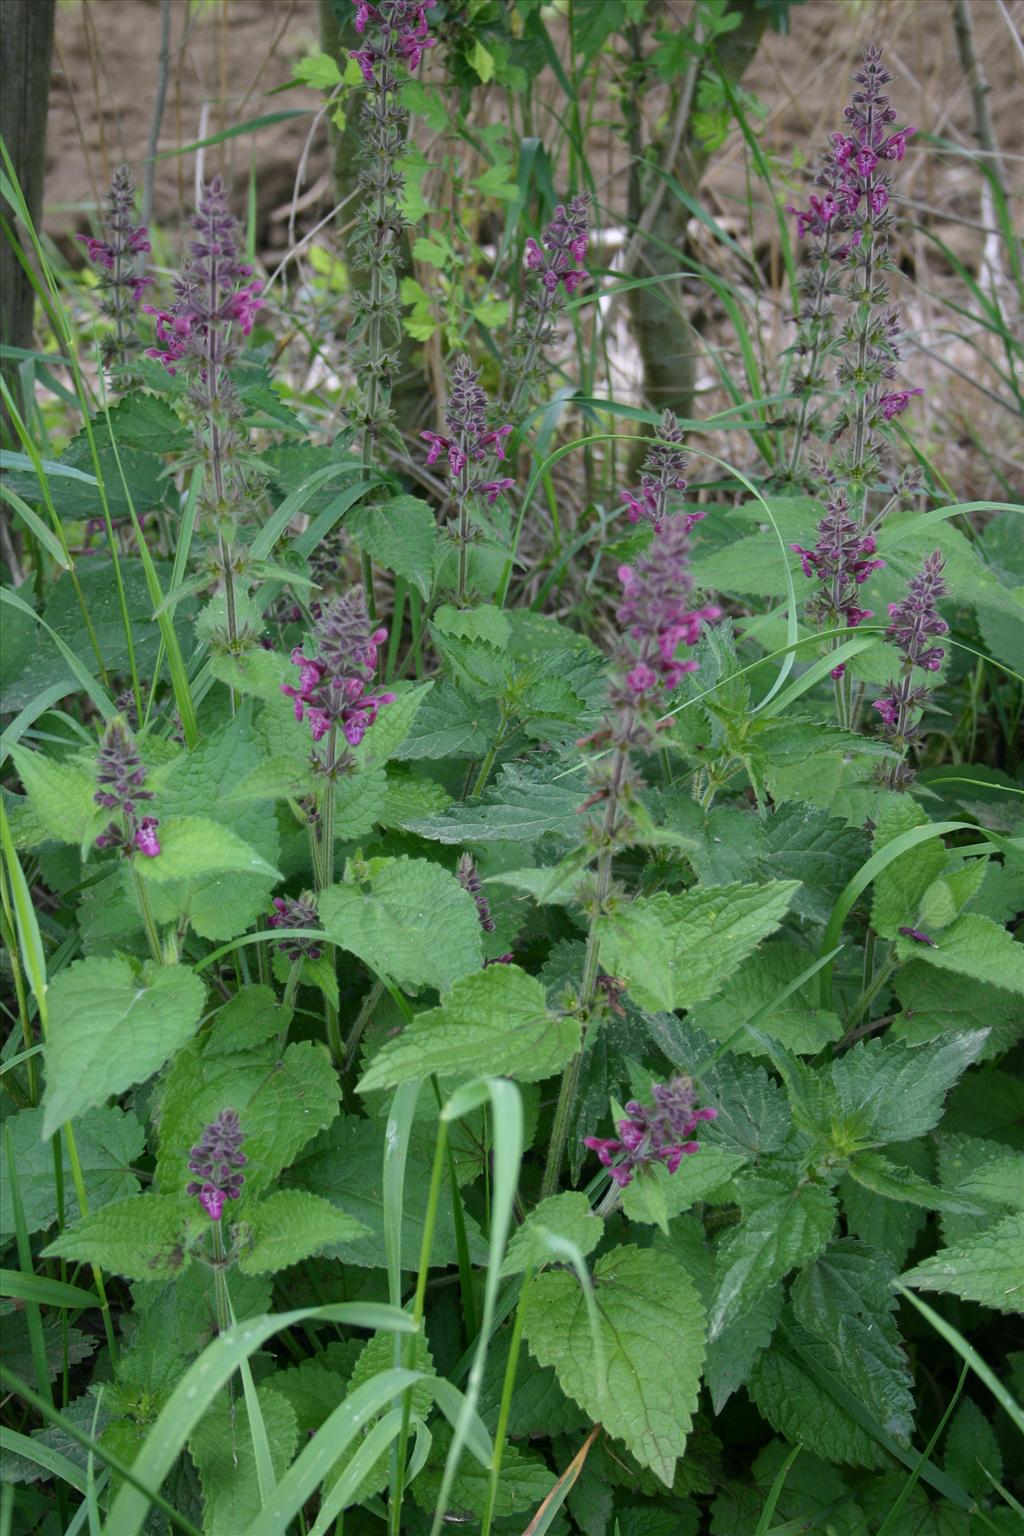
227	56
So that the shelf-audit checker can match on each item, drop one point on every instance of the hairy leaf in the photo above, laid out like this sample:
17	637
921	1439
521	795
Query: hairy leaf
394	919
495	1021
783	1225
675	951
989	1269
895	1092
107	1141
649	1312
111	1028
289	1226
145	1237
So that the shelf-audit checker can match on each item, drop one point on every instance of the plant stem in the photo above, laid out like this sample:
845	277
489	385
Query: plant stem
142	897
488	762
324	873
504	1410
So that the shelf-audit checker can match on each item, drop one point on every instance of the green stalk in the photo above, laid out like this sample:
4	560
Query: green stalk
418	1308
142	897
508	1386
488	762
7	934
83	1206
323	879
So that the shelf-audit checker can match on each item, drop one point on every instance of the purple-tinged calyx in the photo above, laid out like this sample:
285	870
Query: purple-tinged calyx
841	561
215	1160
469	441
398	30
334	685
658	1132
296	912
914	622
469	879
121	780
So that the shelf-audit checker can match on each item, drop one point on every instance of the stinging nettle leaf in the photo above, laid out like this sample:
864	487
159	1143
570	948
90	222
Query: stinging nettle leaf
289	1226
111	1028
649	1314
494	1022
568	1216
990	1269
783	1226
675	951
410	920
895	1092
145	1237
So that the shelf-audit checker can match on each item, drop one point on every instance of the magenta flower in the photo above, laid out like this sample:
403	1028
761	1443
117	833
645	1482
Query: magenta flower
333	687
655	610
896	402
146	840
841	562
652	1133
400	31
121	778
557	262
913	623
116	255
296	912
215	1159
468	878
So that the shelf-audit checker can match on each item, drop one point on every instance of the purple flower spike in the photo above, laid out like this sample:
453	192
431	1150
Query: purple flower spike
913	624
652	1133
400	31
468	878
333	684
122	283
557	263
296	912
841	561
121	778
215	1159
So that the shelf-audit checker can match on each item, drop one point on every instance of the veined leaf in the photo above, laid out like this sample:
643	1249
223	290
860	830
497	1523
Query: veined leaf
783	1226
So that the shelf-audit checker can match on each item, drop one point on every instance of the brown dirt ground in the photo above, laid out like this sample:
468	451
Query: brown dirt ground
227	55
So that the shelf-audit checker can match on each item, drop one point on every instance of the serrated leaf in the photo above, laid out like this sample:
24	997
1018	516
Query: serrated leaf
220	904
359	800
281	1102
896	1182
392	725
60	795
192	847
972	1450
287	1227
107	1141
494	1022
378	1354
675	951
221	1446
649	1312
781	1228
796	1404
731	1354
797	1024
567	1216
449	724
346	1166
973	946
984	1178
894	1092
525	1483
392	922
401	535
845	1300
934	1008
482	623
252	1017
899	888
110	1029
990	1269
143	1238
520	807
696	1177
539	1406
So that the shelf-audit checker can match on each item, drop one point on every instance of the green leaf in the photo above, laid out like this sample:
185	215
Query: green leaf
60	795
900	887
392	726
657	1195
934	1008
359	800
797	1024
111	1028
972	1450
393	919
194	846
782	1226
675	951
792	1397
973	946
252	1017
731	1354
844	1299
318	70
649	1313
482	61
896	1182
567	1216
221	1445
281	1102
346	1166
221	904
449	724
520	807
990	1269
108	1141
376	1355
145	1237
401	535
525	1483
894	1092
981	1181
482	623
290	1226
494	1022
